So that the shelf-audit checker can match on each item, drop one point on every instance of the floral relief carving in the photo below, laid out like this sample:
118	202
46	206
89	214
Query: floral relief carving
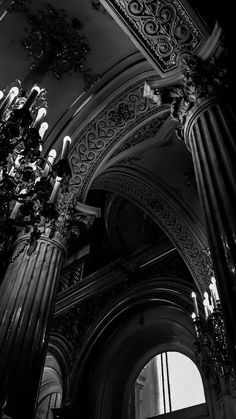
158	207
164	28
100	136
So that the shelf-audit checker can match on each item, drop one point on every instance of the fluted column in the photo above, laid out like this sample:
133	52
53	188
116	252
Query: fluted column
27	301
27	298
210	132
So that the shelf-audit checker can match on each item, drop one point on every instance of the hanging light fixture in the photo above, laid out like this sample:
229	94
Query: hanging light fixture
211	346
29	183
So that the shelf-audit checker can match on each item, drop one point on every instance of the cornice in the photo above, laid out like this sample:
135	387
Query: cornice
104	279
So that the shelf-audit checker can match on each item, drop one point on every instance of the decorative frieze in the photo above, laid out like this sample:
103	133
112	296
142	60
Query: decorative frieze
100	135
161	210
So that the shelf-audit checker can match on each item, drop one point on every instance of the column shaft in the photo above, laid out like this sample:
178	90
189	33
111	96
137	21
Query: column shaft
210	135
27	298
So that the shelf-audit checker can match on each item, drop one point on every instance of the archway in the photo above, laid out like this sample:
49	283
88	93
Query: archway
170	381
155	201
148	319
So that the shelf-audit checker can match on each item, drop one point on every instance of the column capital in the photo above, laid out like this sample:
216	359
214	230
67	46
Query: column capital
69	217
202	81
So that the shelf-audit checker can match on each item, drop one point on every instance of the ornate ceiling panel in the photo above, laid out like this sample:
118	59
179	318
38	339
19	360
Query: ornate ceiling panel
162	30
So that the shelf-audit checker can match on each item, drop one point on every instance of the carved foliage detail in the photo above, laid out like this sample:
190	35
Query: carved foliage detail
162	211
202	79
105	131
163	27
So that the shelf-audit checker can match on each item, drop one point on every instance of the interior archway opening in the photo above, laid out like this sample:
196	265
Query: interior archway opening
169	382
50	394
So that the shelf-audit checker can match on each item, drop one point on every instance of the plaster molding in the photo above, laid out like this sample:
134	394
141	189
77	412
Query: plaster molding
166	214
102	135
162	30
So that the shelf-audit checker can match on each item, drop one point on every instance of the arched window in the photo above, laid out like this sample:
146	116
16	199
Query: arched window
169	382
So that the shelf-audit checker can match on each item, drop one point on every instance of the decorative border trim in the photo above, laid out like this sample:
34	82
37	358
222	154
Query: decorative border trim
102	135
162	30
163	212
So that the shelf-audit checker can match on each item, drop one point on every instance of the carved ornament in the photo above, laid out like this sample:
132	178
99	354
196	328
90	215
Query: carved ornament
162	211
164	29
144	133
202	79
69	218
103	133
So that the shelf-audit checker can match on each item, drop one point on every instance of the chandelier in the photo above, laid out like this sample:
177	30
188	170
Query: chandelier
29	183
211	346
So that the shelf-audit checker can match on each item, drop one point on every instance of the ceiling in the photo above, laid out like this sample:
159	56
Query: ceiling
107	43
169	164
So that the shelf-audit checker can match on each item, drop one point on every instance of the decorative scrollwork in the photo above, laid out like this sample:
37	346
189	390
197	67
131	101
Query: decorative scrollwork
161	210
121	115
130	109
164	28
144	133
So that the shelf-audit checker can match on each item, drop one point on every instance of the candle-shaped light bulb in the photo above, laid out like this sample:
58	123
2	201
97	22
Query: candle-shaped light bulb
56	189
65	147
35	91
17	205
206	308
193	315
194	297
213	297
213	281
52	155
1	94
206	297
39	118
50	159
13	92
43	128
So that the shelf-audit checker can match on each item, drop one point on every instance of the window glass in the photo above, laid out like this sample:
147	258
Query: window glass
170	381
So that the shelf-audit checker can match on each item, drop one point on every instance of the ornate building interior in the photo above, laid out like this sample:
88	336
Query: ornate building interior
117	248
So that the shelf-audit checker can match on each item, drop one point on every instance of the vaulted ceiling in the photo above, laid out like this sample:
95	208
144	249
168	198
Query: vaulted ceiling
81	104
